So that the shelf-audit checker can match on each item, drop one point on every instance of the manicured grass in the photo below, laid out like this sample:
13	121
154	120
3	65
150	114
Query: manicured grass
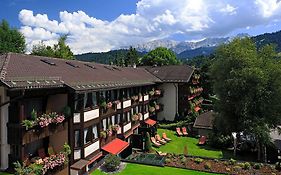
137	169
178	143
1	173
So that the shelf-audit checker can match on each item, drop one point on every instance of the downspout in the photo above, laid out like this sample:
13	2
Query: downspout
175	84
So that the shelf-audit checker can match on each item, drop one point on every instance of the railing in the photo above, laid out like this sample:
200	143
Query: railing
91	148
146	98
146	116
127	127
17	131
127	103
92	114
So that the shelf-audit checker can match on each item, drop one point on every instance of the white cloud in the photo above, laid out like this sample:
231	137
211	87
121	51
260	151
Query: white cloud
155	19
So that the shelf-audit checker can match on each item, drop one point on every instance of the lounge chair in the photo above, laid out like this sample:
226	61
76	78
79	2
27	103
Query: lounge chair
161	153
164	136
184	132
154	142
202	140
179	133
158	138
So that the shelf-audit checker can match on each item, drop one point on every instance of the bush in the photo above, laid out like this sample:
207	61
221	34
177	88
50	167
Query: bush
112	162
219	141
232	161
173	126
278	166
257	166
246	166
168	161
207	166
237	168
198	160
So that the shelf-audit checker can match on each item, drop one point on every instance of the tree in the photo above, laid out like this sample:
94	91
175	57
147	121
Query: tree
148	145
247	83
11	40
160	56
59	50
132	57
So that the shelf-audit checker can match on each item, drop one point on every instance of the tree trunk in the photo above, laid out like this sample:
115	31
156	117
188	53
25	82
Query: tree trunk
259	151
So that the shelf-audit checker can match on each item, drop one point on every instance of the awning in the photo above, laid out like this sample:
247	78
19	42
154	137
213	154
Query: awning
197	108
150	122
116	146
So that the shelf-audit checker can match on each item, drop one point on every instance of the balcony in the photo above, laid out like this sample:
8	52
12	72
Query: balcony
127	103
146	116
127	127
32	133
91	148
146	98
108	136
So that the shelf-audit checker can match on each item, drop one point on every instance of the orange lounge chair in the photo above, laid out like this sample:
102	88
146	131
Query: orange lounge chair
164	136
184	132
158	138
202	140
179	132
154	142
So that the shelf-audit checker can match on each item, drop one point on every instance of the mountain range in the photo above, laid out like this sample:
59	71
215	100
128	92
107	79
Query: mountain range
184	49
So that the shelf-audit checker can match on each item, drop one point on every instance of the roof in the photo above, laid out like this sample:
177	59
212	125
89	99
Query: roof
28	71
150	122
116	146
172	73
205	120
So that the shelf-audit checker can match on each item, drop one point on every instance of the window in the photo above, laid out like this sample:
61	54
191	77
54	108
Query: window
87	135
94	99
89	102
113	120
104	124
95	132
128	117
78	101
32	104
77	138
132	111
137	109
118	119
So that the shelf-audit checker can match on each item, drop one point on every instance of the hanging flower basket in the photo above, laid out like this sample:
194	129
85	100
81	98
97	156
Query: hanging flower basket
115	128
151	109
103	134
135	117
151	93
109	105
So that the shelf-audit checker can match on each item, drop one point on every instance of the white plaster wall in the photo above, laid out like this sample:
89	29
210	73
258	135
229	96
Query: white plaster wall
90	115
126	103
4	115
92	148
127	127
169	100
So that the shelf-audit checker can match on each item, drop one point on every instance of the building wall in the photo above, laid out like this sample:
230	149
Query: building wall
57	140
4	115
169	100
56	102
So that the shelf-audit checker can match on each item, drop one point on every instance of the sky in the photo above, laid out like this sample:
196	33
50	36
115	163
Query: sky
103	25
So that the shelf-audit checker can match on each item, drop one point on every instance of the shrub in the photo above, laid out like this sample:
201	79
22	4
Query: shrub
246	166
232	161
112	162
198	160
257	166
237	168
278	166
173	126
219	141
168	161
207	165
148	144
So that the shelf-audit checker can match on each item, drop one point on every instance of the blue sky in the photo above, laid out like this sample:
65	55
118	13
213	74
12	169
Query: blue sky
102	25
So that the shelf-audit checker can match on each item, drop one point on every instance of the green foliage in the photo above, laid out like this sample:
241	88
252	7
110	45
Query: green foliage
11	40
132	57
247	83
112	162
173	126
246	166
207	166
257	166
278	166
59	50
67	111
28	124
66	149
148	144
219	140
23	169
232	161
198	160
160	56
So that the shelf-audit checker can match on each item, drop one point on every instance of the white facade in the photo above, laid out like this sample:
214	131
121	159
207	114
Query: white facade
4	147
169	100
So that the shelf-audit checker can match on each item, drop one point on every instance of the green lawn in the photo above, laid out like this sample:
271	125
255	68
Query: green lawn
178	143
137	169
1	173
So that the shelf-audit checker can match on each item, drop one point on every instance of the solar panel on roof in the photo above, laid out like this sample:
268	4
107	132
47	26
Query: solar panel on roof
48	62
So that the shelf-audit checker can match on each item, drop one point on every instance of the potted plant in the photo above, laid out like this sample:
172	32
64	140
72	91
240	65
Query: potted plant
140	115
103	134
151	109
109	132
103	104
135	117
109	105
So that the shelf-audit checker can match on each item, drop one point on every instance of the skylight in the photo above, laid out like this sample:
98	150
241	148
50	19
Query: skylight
71	64
48	62
90	66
